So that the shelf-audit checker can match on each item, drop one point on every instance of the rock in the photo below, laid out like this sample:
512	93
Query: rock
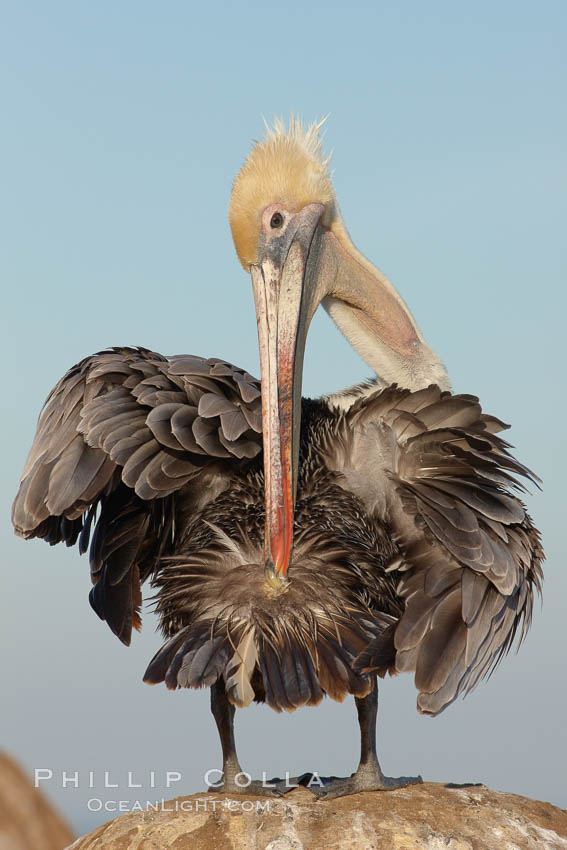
429	816
27	819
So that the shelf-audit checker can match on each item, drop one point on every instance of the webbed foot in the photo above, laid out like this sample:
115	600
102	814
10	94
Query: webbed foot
362	780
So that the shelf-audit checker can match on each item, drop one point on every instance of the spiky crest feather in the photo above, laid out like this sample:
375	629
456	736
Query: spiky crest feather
288	167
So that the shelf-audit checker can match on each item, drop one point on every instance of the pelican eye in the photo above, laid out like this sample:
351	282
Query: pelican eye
276	220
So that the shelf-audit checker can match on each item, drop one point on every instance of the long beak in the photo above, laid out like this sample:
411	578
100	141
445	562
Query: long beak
286	297
308	265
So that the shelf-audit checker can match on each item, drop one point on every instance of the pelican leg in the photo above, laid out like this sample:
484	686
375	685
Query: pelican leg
369	776
223	711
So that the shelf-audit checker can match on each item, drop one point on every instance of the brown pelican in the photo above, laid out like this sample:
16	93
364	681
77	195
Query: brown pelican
388	536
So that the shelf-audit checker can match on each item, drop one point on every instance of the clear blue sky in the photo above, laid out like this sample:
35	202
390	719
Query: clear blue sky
123	125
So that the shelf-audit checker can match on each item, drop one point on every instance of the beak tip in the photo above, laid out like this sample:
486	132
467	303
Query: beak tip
274	578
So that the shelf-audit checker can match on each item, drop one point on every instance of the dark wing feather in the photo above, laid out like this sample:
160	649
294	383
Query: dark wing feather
431	465
121	433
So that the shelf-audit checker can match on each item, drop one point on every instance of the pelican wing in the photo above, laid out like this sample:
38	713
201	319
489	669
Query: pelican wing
119	436
433	467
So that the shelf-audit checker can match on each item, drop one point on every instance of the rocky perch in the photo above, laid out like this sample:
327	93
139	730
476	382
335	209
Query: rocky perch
429	816
28	821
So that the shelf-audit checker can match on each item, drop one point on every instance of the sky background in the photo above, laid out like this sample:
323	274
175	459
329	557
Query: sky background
123	125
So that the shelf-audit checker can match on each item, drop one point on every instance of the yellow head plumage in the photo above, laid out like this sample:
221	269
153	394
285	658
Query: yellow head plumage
287	167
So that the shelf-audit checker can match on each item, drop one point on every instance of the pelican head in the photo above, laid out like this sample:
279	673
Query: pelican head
289	234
